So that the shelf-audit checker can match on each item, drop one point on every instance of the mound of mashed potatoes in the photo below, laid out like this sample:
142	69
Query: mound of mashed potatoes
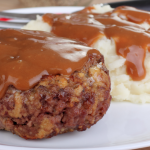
123	88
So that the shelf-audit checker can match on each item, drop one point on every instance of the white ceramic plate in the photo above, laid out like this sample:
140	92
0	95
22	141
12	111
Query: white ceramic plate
125	125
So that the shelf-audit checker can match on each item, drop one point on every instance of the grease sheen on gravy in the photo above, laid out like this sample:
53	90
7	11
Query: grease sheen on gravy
25	56
132	41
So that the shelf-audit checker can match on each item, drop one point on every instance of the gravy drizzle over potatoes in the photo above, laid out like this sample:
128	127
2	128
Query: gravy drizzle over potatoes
124	87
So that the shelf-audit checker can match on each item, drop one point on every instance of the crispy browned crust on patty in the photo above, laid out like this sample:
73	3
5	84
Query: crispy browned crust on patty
59	103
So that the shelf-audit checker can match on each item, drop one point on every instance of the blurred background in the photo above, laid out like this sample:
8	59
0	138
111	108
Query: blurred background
13	4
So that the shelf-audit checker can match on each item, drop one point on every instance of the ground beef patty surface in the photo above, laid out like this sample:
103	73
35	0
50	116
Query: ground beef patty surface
59	103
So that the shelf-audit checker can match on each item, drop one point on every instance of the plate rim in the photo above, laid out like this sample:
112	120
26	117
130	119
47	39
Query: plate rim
53	7
118	147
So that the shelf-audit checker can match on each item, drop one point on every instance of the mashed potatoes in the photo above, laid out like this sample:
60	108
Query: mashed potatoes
123	88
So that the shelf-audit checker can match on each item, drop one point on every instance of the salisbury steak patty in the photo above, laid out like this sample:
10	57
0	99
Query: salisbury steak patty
59	103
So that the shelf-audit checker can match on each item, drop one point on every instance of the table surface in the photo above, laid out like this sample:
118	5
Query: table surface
13	4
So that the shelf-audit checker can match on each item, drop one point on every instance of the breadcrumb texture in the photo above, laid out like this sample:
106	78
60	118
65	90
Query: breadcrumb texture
58	103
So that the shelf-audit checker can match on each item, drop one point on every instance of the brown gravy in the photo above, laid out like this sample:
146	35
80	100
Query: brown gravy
132	14
131	39
25	56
